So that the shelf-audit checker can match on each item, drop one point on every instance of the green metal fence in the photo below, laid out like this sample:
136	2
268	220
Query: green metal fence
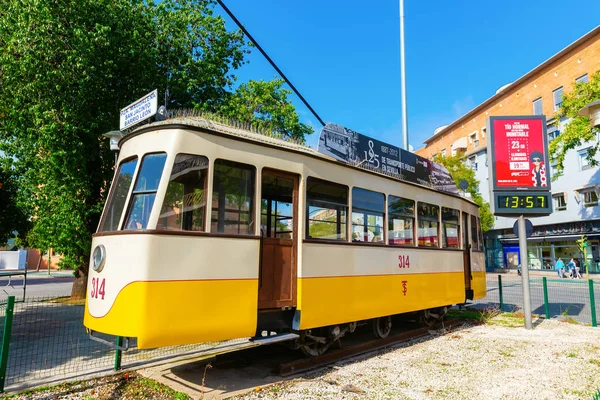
44	342
551	297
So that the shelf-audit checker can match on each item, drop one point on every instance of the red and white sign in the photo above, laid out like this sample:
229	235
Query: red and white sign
520	154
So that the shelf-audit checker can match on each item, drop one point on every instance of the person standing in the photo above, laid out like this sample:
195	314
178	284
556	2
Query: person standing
560	267
571	266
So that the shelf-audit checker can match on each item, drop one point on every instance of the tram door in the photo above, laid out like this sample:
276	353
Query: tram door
279	240
467	255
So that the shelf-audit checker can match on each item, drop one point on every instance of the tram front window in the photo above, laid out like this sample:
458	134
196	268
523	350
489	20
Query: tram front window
118	196
144	191
327	205
184	207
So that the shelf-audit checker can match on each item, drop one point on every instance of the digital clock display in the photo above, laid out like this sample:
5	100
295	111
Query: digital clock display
530	203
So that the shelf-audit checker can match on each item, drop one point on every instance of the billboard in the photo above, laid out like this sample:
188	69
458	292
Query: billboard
354	148
520	170
519	153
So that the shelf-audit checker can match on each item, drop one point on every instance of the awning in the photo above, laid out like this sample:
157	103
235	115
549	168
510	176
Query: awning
558	238
460	143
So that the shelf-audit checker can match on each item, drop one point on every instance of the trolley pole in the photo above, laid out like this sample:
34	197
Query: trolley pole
403	80
525	271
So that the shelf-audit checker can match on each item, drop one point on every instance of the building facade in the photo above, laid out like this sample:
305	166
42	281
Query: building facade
575	194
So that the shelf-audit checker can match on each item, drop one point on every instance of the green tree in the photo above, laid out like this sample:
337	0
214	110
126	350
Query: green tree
266	104
66	68
459	172
578	131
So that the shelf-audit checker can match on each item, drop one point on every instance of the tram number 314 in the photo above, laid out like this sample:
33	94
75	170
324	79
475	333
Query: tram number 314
403	261
98	288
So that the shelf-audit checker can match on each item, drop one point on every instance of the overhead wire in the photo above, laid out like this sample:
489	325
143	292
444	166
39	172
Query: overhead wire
258	46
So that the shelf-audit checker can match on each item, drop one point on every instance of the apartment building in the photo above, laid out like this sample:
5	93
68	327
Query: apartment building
575	193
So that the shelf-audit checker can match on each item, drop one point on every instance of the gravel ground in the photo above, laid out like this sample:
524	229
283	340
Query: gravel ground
499	360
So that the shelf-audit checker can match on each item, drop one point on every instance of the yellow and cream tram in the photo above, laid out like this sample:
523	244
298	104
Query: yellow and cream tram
212	232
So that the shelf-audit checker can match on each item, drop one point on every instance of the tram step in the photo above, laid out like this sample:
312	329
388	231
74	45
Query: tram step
274	339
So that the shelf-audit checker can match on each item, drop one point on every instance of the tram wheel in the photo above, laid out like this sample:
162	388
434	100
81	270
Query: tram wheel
311	346
382	327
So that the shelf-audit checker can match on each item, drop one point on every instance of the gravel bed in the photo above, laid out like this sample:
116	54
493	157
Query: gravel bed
499	360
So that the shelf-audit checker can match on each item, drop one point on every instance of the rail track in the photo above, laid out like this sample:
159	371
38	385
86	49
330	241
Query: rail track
307	364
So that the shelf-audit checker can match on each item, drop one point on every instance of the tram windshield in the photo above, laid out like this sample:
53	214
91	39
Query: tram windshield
118	196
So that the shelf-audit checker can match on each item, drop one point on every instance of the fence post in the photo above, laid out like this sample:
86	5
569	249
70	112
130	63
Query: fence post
500	292
592	302
546	305
118	353
8	317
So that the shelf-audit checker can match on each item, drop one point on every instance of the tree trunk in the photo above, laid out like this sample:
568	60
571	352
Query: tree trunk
79	284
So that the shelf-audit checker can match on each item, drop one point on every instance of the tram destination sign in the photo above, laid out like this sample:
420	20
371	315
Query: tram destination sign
519	171
139	110
354	148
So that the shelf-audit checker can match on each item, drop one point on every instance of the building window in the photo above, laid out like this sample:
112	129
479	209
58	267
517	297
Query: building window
560	203
401	220
582	79
553	133
327	205
474	139
584	163
184	206
537	107
428	221
443	152
553	167
367	215
233	198
472	163
144	191
483	131
557	97
590	198
434	156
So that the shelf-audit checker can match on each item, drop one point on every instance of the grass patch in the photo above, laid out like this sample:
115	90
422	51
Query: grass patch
66	300
481	316
595	362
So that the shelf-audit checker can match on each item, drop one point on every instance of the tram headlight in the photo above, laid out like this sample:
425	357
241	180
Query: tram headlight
98	258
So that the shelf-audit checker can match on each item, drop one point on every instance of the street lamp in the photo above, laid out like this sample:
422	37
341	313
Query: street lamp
114	137
592	111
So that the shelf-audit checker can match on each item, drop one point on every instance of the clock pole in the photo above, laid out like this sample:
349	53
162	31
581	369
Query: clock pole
524	271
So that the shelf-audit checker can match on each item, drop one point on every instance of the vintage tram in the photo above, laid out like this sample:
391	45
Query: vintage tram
213	232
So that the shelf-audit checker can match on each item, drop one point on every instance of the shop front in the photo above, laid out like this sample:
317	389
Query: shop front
545	246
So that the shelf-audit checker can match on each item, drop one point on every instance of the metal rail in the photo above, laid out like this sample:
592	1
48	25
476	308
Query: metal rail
307	364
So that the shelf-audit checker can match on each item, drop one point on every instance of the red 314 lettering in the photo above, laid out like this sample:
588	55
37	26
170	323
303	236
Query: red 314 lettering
404	261
97	288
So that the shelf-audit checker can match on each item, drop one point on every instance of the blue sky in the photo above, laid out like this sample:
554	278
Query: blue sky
343	55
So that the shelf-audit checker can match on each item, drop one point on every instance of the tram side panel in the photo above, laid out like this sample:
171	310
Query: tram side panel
167	289
478	283
345	283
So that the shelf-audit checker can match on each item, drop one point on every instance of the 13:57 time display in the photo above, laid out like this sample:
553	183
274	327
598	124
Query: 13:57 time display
529	202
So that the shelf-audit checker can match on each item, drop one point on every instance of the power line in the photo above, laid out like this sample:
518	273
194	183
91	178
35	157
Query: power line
270	61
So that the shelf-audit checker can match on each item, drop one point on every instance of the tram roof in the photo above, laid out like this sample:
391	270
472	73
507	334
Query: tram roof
225	127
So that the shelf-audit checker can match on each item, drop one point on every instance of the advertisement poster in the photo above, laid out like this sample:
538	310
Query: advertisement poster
354	148
520	154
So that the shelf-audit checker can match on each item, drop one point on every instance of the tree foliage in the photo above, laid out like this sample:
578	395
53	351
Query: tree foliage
266	104
459	172
67	67
578	131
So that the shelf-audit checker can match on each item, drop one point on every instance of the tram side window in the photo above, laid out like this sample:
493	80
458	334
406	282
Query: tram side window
428	217
118	196
474	235
327	205
480	234
401	220
144	191
233	198
184	207
368	209
450	227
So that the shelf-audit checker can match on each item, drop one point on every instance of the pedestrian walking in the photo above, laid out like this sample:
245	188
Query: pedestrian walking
560	267
577	274
571	267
